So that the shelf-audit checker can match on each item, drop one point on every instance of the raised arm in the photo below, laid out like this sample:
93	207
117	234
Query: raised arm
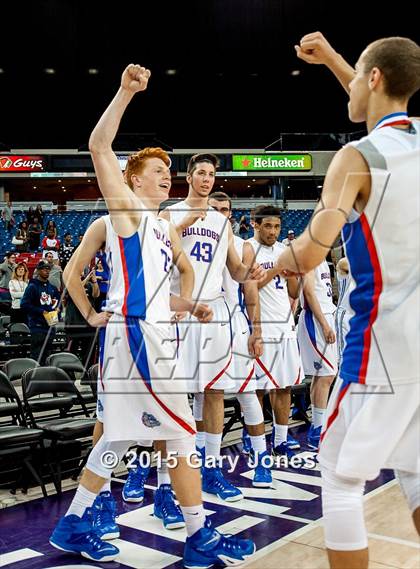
314	48
346	185
85	252
120	200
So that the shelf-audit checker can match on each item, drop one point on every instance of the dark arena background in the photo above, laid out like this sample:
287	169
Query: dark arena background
225	79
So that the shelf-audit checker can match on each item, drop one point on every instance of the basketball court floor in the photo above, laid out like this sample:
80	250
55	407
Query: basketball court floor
285	522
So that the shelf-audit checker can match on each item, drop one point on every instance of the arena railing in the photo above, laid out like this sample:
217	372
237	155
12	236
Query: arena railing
237	203
24	206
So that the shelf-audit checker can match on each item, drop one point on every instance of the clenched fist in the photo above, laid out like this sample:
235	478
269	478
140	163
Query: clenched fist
314	48
202	312
135	78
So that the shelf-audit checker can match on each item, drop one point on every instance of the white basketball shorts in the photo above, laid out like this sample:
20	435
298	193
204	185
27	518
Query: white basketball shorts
319	358
242	367
367	428
206	349
280	365
143	394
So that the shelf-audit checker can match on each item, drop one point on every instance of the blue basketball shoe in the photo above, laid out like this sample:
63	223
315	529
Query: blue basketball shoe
165	508
77	535
283	450
313	437
246	442
262	474
133	490
215	483
103	516
207	547
291	442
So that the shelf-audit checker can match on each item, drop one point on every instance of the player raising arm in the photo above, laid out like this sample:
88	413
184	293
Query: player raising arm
314	48
371	194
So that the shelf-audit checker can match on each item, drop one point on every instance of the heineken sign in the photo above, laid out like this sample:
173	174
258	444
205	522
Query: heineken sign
272	162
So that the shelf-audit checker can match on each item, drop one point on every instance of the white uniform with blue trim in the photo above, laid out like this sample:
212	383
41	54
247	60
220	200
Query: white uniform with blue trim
343	313
142	393
280	364
373	416
241	369
318	357
205	348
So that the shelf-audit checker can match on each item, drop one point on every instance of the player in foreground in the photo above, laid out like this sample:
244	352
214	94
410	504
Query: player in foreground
371	193
141	400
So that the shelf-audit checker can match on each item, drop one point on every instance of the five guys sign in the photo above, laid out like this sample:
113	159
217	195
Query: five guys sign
11	163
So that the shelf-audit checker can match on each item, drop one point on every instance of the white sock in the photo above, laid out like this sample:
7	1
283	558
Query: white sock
82	499
200	439
163	474
106	487
194	517
258	443
317	416
213	444
280	434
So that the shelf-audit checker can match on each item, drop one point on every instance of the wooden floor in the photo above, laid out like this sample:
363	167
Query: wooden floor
393	540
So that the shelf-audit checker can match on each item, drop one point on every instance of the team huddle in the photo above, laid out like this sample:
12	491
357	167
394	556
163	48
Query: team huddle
193	309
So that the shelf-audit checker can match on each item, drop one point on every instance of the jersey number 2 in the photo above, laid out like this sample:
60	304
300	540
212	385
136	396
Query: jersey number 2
277	280
166	261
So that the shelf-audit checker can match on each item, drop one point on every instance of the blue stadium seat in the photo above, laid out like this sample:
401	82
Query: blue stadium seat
76	222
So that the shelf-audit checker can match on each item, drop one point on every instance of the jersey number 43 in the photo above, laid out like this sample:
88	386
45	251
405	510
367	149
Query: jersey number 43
202	252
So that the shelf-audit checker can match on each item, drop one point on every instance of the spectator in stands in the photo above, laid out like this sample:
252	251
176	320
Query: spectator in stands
289	238
235	225
243	228
30	214
34	231
17	287
40	298
20	240
102	276
39	214
66	250
51	243
51	225
56	272
79	240
6	272
7	216
82	336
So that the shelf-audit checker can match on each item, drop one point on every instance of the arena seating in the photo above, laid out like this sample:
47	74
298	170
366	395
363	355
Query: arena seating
296	219
76	222
67	222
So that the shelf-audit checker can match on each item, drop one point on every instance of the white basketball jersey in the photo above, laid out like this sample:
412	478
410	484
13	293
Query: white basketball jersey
205	244
323	289
383	249
232	290
276	313
345	286
140	267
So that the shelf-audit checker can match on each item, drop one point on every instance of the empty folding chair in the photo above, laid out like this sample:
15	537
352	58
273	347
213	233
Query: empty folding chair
18	442
49	382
